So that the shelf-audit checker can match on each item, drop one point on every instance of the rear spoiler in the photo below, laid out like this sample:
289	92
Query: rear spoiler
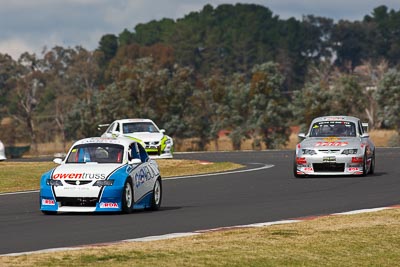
365	127
101	126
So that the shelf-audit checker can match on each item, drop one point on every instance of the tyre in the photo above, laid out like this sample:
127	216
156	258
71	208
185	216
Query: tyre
372	166
157	195
46	212
127	196
295	169
365	171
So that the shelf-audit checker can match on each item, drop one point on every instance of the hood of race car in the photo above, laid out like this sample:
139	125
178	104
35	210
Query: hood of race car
146	137
88	171
78	180
339	142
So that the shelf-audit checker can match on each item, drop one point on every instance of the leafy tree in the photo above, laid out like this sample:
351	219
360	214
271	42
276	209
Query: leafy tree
83	76
9	73
108	45
388	97
26	95
269	108
59	95
238	108
349	41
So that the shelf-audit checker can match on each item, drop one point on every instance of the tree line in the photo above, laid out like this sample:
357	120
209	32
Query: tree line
234	67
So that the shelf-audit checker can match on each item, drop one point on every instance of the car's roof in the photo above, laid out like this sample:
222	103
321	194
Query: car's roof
105	140
134	120
336	118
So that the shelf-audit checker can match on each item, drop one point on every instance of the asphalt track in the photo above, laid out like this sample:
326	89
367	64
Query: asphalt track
204	202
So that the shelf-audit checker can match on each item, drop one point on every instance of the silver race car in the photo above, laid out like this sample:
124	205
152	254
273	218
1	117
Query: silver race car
335	145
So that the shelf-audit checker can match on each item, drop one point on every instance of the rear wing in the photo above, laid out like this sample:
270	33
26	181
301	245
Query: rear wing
365	127
101	126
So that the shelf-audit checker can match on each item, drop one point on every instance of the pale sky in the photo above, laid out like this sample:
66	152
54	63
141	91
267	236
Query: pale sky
31	25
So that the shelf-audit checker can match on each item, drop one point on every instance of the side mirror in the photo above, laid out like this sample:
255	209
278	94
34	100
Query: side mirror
302	135
115	133
57	161
134	161
364	135
162	131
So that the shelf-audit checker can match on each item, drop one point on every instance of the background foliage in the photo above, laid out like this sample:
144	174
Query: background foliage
238	68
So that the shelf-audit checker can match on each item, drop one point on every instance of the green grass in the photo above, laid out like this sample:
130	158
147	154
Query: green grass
370	239
22	176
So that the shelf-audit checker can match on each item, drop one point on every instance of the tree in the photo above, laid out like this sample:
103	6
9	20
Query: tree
268	106
9	72
83	77
59	94
26	95
108	45
388	97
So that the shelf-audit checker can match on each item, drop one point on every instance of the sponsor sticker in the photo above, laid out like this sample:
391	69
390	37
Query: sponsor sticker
108	205
337	144
48	202
86	176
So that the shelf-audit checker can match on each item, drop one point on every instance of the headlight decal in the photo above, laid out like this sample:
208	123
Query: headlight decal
350	151
308	152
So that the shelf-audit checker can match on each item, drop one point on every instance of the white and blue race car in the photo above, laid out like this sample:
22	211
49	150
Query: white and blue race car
102	175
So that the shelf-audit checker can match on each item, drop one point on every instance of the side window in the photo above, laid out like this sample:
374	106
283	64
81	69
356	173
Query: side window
117	127
360	128
143	154
110	128
135	154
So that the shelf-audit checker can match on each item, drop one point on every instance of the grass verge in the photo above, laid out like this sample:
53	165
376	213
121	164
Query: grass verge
369	239
22	176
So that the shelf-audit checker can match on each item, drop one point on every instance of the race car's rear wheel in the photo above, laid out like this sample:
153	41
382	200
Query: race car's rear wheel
127	196
372	165
157	195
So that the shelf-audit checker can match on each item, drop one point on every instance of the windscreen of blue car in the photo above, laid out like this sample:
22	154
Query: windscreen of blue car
100	153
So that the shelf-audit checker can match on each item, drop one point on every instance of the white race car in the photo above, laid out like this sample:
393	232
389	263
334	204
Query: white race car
102	175
2	152
334	145
145	131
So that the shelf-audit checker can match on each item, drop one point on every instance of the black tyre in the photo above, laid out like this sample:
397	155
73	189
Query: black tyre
295	169
46	212
365	171
127	197
157	195
372	166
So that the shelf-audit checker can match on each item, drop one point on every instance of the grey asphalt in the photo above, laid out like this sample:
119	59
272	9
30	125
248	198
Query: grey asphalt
206	202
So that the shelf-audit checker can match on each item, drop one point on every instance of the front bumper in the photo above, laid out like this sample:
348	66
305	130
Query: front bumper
329	165
110	201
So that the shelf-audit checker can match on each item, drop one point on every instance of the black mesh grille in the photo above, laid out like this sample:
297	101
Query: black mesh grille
78	201
74	182
328	167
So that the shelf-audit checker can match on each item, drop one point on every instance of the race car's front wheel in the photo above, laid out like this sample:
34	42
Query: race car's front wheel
295	168
127	197
365	171
157	195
